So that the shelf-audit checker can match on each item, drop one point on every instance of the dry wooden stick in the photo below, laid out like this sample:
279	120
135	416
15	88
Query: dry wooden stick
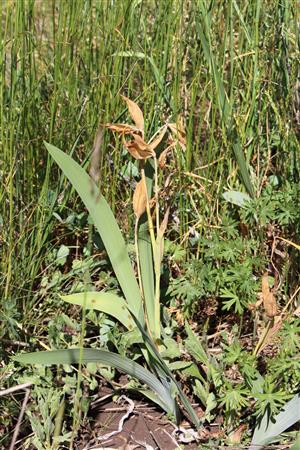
20	418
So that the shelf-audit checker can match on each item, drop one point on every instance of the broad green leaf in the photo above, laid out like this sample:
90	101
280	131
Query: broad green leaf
236	198
268	429
106	302
188	368
193	371
131	337
106	225
179	365
171	349
201	392
62	254
88	355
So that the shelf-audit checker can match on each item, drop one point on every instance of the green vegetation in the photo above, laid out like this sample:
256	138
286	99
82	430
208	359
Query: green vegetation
200	299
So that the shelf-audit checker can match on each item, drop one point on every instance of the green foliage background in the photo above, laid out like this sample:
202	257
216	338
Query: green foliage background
231	71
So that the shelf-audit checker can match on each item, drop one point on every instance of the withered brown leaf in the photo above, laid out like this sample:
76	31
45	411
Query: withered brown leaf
164	223
268	297
235	436
135	112
123	128
155	143
139	199
163	156
96	156
138	148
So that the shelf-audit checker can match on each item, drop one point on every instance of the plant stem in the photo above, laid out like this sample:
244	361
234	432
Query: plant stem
150	222
138	256
156	193
157	256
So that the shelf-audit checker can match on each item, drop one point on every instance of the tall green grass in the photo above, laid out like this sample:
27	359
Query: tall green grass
228	68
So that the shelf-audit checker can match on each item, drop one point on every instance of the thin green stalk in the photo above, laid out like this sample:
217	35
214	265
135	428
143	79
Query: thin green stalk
136	227
150	222
156	193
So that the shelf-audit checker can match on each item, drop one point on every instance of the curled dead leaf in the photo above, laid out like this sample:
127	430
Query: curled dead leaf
139	199
135	113
168	181
164	223
155	143
268	297
138	148
96	156
123	128
235	437
163	156
271	334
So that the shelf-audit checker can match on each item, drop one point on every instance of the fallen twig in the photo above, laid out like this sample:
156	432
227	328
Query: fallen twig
20	418
14	389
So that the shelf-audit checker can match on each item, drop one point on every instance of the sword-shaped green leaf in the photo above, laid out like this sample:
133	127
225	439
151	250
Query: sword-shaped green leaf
146	257
106	225
88	355
106	302
269	429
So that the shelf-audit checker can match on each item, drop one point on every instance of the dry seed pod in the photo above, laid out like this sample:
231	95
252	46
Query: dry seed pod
268	297
139	199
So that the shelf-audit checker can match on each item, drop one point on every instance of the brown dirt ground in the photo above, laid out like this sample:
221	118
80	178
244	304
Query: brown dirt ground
146	427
